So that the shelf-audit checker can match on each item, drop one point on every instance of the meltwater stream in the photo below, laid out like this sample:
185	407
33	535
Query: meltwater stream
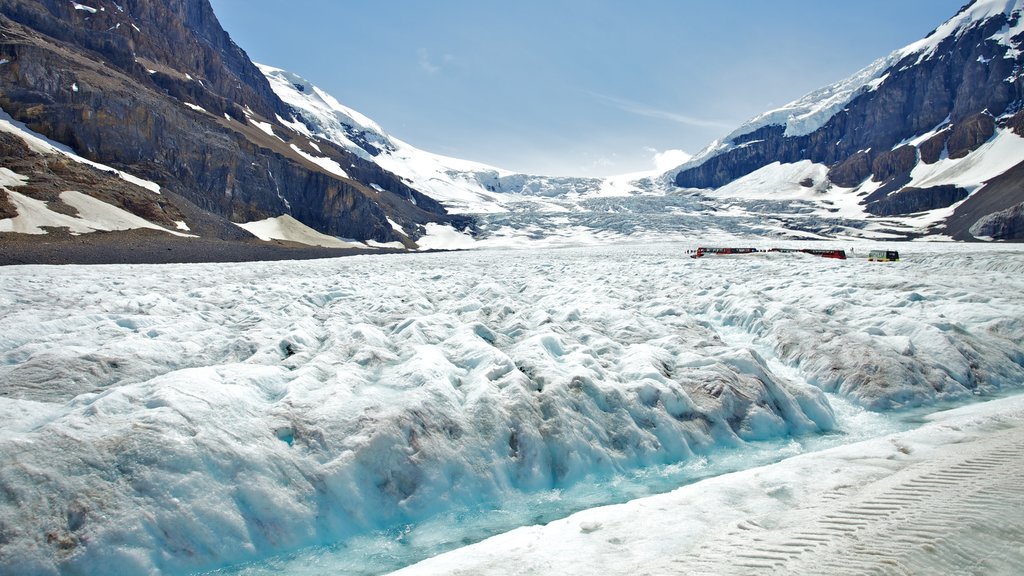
386	551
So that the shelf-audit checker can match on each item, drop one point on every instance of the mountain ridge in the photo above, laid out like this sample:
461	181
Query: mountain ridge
158	89
944	96
924	142
925	105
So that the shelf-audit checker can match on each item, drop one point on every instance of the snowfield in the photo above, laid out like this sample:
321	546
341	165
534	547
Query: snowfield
168	419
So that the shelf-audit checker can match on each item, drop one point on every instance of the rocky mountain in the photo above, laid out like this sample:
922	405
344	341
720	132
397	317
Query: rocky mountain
461	185
157	89
924	141
150	108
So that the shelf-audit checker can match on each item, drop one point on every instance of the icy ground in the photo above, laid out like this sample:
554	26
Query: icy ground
947	498
184	417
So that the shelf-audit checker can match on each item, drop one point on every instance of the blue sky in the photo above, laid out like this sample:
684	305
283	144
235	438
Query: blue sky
572	87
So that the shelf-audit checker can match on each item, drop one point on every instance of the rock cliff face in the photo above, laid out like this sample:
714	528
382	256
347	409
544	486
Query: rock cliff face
157	88
1002	225
955	92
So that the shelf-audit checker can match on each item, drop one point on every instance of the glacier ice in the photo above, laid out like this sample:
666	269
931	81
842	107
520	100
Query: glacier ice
183	417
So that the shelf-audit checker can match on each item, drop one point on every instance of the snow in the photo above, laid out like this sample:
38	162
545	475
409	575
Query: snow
42	145
778	181
264	127
774	200
394	245
396	226
33	215
918	140
943	499
443	237
199	108
462	186
291	230
11	179
301	94
812	111
976	12
93	215
185	417
84	8
102	216
777	190
327	164
1002	152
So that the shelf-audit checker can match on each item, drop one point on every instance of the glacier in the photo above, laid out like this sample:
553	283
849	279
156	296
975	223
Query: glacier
944	498
177	418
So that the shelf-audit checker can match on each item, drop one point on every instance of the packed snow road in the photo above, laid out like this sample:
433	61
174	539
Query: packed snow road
183	417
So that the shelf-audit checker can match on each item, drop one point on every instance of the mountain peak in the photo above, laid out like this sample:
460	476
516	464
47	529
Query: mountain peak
894	133
969	16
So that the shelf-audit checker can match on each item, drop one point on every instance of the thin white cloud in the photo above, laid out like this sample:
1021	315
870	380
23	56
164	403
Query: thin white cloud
428	64
599	164
641	109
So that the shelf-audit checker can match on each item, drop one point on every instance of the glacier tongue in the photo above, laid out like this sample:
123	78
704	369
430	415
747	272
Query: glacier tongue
192	416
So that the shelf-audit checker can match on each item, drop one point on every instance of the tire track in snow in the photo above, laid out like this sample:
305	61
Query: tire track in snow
949	516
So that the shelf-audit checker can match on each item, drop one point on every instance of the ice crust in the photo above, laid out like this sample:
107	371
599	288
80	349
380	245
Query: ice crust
945	498
182	417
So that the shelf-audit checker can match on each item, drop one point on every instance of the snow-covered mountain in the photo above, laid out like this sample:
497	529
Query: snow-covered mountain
508	208
462	185
158	89
925	141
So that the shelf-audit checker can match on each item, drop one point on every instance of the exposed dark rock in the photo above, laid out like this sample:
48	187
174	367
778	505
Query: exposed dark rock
888	165
966	76
1015	123
754	150
910	200
1003	225
7	209
893	185
969	79
1001	193
181	39
852	171
932	148
48	176
969	134
113	86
